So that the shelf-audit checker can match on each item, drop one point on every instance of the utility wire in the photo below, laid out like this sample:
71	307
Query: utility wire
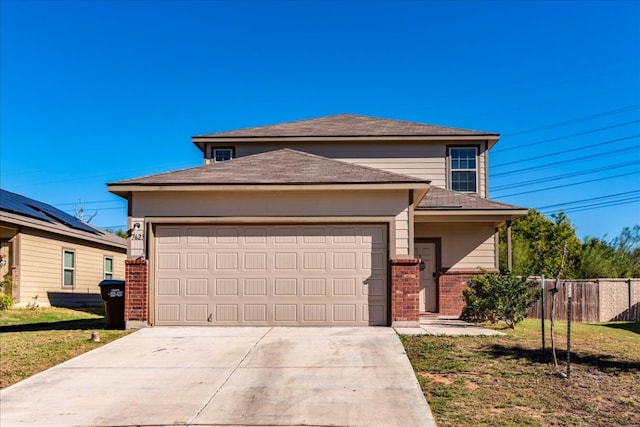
591	199
564	162
559	138
569	185
603	205
558	177
576	120
571	150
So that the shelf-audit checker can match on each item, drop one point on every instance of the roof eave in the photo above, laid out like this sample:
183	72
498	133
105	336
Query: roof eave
23	221
200	140
468	215
124	189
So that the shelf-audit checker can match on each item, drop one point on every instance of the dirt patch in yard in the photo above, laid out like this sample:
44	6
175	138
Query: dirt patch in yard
506	381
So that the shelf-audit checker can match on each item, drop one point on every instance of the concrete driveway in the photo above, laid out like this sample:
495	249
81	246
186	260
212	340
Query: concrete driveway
249	376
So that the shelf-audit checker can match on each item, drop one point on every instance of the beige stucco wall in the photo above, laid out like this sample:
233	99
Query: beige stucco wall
614	297
391	206
40	267
465	246
419	159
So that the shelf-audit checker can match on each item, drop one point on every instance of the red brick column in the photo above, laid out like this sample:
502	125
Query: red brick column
136	298
452	283
405	292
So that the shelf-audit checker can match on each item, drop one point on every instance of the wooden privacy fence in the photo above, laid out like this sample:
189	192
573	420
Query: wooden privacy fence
598	300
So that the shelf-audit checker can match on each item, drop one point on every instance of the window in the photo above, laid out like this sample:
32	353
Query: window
463	169
108	267
222	154
68	268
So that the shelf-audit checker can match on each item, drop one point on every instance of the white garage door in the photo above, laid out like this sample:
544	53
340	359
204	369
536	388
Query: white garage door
271	275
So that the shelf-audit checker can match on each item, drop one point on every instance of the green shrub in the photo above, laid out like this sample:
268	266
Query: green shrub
6	286
6	302
499	297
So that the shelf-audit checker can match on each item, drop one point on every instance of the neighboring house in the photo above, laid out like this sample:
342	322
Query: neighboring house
53	258
340	220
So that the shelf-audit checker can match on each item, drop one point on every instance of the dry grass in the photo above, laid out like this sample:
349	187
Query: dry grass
32	340
507	381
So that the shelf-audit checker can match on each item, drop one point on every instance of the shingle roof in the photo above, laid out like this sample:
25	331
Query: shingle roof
347	125
440	199
283	166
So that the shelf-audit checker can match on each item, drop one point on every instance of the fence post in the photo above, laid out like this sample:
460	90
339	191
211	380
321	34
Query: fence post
569	304
542	315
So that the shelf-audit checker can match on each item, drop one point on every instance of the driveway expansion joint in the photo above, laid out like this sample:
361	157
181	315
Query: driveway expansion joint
229	376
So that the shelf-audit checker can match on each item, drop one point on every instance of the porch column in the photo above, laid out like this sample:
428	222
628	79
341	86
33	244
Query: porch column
405	292
136	298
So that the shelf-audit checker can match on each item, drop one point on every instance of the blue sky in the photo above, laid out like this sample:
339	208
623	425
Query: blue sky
97	91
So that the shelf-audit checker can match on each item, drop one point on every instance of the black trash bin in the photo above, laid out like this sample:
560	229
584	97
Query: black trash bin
112	292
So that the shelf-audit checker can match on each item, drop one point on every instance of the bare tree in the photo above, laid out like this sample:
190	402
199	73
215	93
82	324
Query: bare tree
80	213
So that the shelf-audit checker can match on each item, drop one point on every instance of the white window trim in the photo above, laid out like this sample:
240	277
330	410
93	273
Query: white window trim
213	154
72	269
104	267
451	170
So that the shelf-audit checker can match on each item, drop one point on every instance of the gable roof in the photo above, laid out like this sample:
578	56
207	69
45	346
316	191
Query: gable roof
285	166
440	199
346	125
18	209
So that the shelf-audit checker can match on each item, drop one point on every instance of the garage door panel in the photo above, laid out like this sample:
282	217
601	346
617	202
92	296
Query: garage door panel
226	286
196	287
344	286
196	312
278	274
226	312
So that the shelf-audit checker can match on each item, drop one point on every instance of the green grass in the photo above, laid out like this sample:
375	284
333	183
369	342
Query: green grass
32	340
507	381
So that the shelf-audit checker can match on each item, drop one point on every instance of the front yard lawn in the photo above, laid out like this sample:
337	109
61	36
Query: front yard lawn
506	381
32	340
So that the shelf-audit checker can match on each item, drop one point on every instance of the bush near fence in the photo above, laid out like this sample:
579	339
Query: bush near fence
597	300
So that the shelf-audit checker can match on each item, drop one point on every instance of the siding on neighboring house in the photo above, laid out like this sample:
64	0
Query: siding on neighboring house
420	160
309	206
465	246
40	269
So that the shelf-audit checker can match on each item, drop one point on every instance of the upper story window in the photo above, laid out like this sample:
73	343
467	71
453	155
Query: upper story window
68	268
108	267
222	154
463	169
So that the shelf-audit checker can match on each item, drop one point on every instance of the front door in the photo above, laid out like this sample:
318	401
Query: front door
427	253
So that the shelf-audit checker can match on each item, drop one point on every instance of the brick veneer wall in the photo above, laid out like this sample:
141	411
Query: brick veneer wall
451	285
135	291
405	292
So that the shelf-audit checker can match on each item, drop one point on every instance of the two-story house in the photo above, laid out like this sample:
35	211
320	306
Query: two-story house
339	220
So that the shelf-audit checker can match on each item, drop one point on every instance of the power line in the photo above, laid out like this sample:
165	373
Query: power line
558	177
576	120
597	206
571	150
92	202
590	199
569	185
559	138
564	162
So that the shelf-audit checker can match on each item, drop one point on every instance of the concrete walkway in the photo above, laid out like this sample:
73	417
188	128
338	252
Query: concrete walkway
447	326
227	376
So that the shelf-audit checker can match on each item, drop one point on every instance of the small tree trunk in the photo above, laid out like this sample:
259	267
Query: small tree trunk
554	291
553	323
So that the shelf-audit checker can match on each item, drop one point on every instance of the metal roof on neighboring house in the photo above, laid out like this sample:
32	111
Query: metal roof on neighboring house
440	199
15	207
346	125
285	166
